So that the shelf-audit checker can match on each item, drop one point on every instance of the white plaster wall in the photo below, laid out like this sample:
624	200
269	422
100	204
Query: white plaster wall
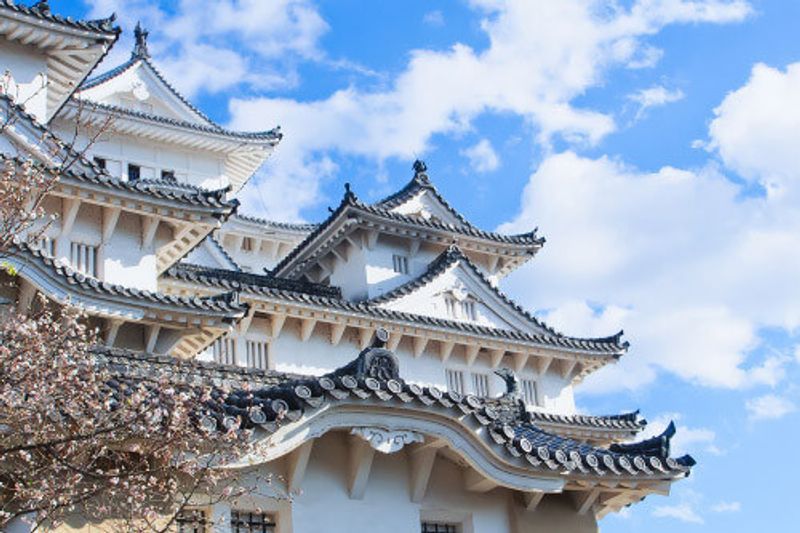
426	205
28	83
317	356
199	167
351	276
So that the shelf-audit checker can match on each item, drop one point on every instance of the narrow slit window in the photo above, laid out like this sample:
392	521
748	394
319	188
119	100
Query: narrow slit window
83	258
529	391
257	354
400	264
455	380
468	309
480	385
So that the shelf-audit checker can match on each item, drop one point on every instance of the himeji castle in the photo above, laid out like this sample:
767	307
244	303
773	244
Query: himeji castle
399	389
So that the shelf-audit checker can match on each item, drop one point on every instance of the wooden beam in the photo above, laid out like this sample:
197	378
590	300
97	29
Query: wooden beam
151	336
364	336
419	345
446	350
337	331
567	365
110	219
496	357
244	323
543	364
360	463
520	360
307	328
149	228
370	238
276	325
420	467
491	267
532	500
69	213
113	329
296	465
394	341
585	500
472	351
476	482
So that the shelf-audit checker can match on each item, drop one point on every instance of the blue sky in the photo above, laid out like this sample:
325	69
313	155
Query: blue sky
653	142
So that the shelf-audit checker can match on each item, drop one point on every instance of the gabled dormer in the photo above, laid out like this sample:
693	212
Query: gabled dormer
368	250
138	126
138	85
46	57
454	288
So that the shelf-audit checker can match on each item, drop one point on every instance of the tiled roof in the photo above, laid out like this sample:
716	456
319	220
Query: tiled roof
225	305
245	281
454	255
374	377
418	183
628	421
41	11
221	279
351	207
161	189
290	226
272	135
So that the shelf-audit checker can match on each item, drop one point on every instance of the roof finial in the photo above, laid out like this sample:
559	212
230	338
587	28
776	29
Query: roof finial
420	167
42	6
510	378
140	50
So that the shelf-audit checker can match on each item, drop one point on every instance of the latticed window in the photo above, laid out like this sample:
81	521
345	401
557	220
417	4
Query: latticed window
480	385
83	258
224	351
439	527
247	244
400	264
468	309
192	521
257	356
455	380
528	391
245	522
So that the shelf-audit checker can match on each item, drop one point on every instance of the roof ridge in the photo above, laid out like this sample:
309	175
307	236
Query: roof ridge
41	10
300	226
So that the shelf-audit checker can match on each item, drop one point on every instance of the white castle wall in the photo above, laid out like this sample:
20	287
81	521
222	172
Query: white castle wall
323	502
28	82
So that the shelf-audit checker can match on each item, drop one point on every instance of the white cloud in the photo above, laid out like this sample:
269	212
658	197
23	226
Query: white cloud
683	512
769	407
655	96
727	507
696	268
214	45
482	157
542	55
797	353
755	129
433	18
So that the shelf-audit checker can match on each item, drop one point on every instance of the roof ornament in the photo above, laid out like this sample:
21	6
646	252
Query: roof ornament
657	446
420	171
42	6
374	362
140	50
511	381
349	195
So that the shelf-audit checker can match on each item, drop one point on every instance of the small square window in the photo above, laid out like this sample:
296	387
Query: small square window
168	175
134	172
400	264
439	527
100	162
247	244
455	380
245	522
192	521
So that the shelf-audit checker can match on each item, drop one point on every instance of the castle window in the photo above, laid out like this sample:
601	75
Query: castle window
529	391
192	521
480	385
455	380
257	354
439	527
168	175
134	172
468	309
83	258
400	264
224	351
450	306
245	522
100	161
247	244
